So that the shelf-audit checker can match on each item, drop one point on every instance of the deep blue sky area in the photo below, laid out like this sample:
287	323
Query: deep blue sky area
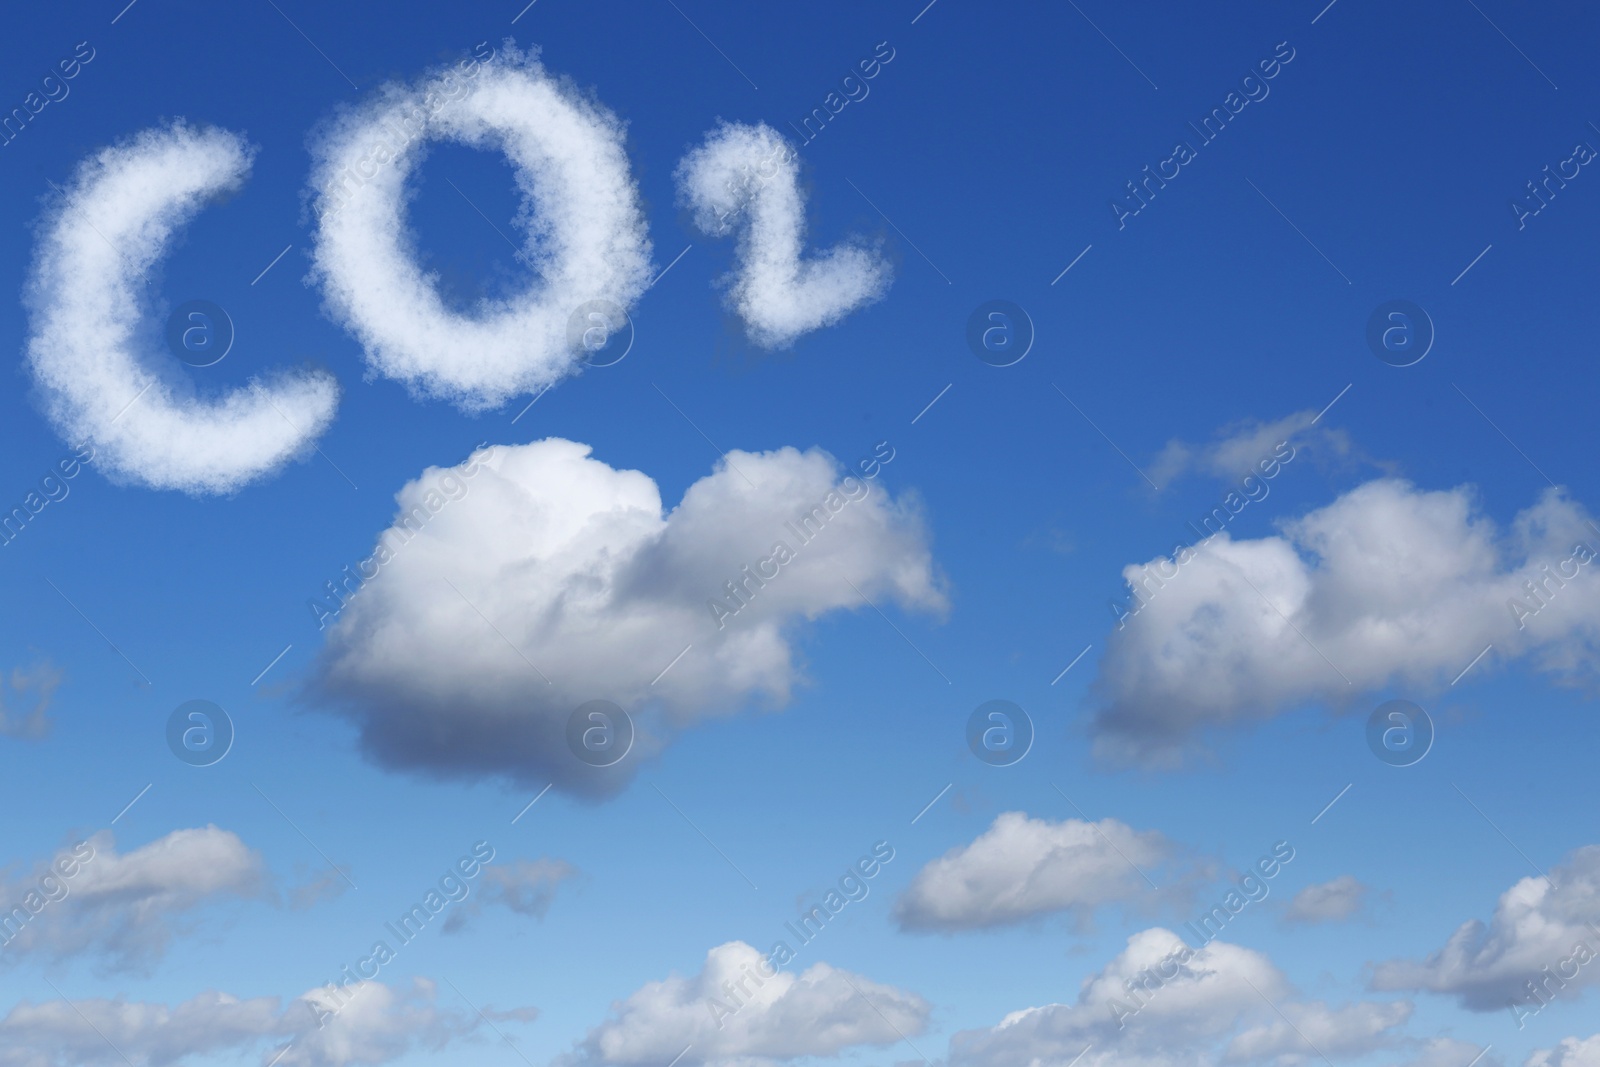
1379	163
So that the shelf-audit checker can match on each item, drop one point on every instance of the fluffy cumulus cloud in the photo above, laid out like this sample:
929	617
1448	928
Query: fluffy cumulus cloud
1309	1031
745	180
378	1024
92	346
1327	902
124	905
554	580
1572	1052
1387	585
733	1013
1022	868
1541	933
1159	1003
1450	1052
583	232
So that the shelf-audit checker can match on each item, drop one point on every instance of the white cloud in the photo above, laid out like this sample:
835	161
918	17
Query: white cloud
820	1012
379	1025
1572	1052
1313	1030
1535	926
42	679
1388	584
124	905
85	294
1237	449
583	233
558	580
746	179
1203	1000
1327	902
1449	1052
1021	868
527	887
1160	1003
326	884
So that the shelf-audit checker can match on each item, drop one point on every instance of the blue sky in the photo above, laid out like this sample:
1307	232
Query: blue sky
1173	348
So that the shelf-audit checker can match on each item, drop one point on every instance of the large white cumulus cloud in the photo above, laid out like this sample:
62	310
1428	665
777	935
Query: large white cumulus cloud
557	580
108	229
582	228
1387	584
745	180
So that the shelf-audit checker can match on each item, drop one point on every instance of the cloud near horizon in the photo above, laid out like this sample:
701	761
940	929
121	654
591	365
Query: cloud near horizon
378	1025
819	1012
1216	1001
